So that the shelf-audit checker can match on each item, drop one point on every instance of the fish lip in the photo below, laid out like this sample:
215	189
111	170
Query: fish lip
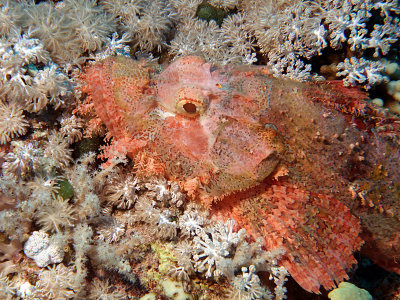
252	156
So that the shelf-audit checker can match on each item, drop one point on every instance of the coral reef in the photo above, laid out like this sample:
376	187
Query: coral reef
197	149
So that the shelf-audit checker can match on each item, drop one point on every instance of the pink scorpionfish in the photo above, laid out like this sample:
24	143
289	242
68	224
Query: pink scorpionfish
312	169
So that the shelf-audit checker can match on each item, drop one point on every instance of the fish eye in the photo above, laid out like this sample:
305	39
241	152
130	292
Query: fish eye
190	108
190	102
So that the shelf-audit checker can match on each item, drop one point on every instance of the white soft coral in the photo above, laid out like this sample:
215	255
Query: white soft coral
361	71
248	286
213	245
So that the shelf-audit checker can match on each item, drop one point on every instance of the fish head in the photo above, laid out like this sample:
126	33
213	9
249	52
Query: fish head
211	124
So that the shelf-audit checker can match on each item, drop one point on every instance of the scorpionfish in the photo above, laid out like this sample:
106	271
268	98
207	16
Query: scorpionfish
310	168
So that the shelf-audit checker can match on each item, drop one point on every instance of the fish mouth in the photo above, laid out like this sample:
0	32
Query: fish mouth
243	155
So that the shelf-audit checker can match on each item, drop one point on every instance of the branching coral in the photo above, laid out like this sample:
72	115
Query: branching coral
288	35
52	86
71	128
24	158
29	50
80	178
192	221
184	260
161	221
147	22
143	207
123	192
111	231
279	275
90	23
105	255
44	185
69	30
220	251
214	245
230	43
12	122
226	4
82	238
167	192
10	224
24	79
10	14
55	215
12	190
56	282
51	28
152	25
57	149
90	207
239	41
186	8
293	33
103	290
115	46
88	186
248	286
159	204
361	71
123	9
199	37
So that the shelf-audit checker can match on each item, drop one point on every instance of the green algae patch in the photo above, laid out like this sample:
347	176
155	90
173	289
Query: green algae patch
66	190
208	12
87	145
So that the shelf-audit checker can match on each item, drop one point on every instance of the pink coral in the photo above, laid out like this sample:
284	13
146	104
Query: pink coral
277	156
